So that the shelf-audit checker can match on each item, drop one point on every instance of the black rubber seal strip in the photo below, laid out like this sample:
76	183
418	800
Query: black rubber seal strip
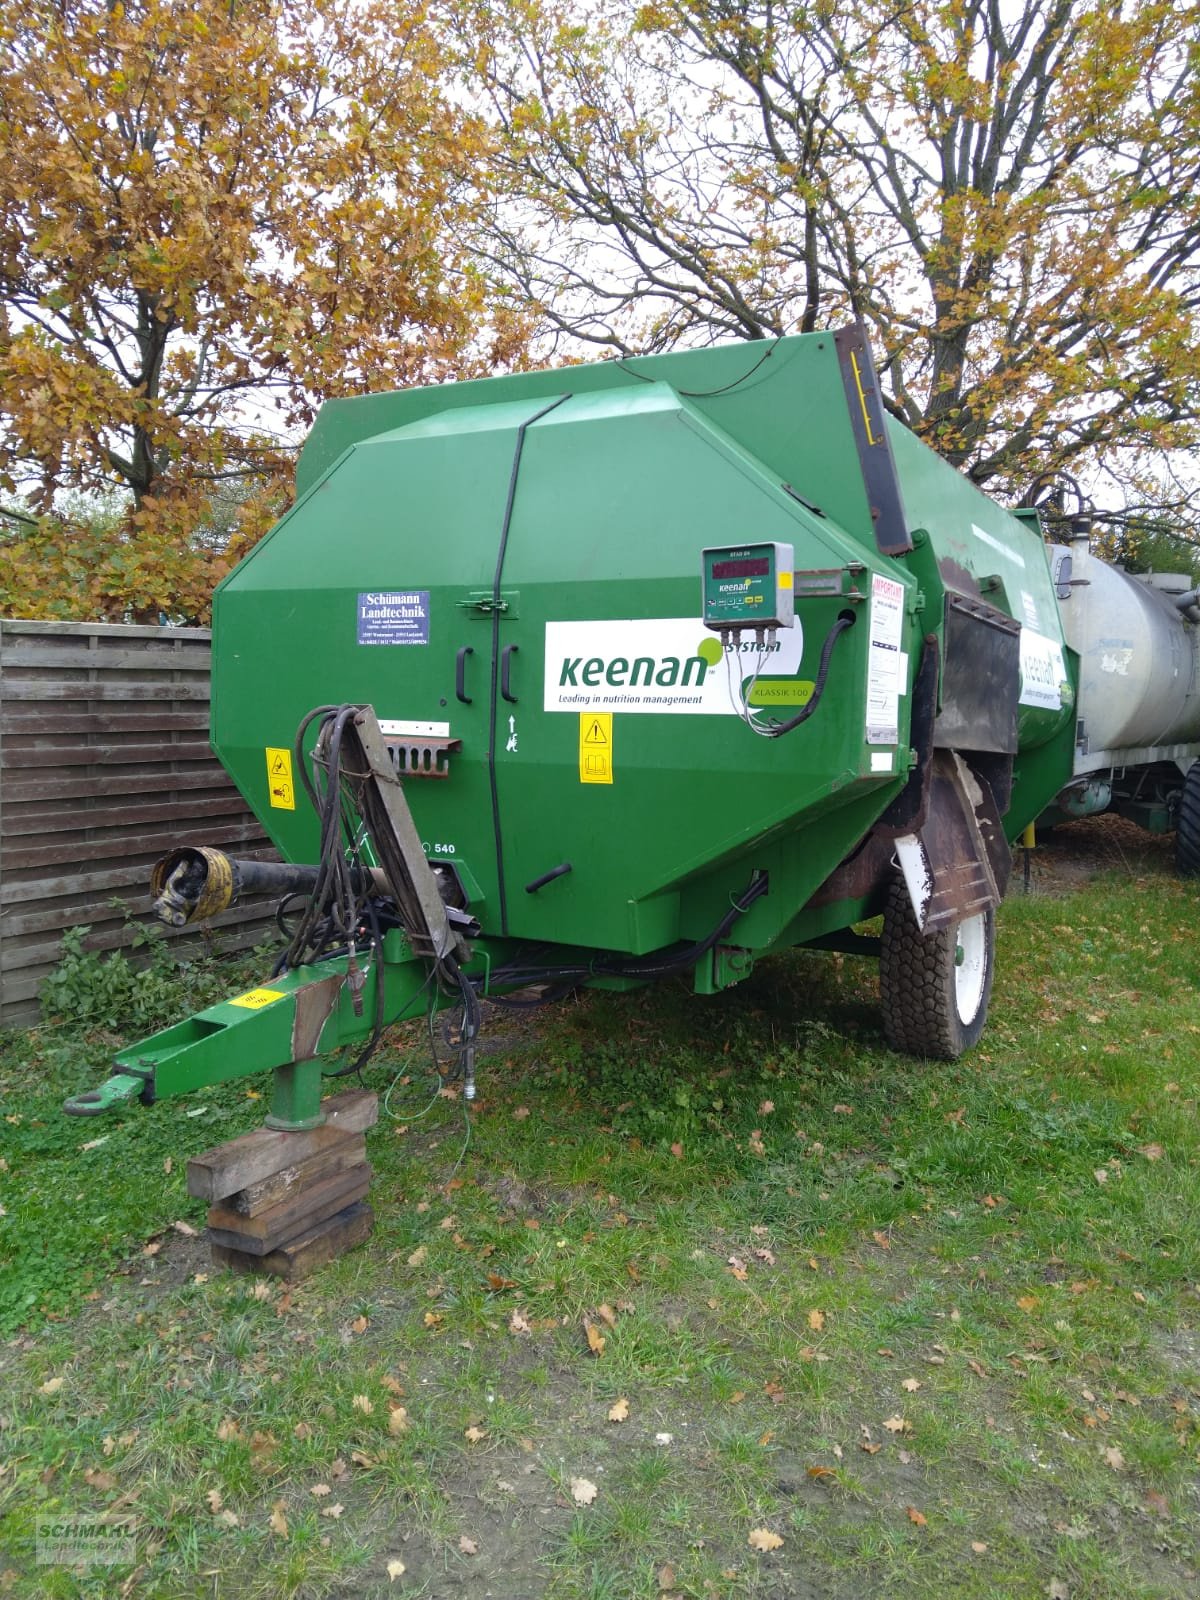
504	532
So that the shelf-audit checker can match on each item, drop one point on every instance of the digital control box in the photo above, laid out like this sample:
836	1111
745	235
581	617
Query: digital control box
748	586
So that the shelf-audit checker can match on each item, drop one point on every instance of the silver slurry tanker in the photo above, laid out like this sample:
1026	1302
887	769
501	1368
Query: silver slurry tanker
1138	733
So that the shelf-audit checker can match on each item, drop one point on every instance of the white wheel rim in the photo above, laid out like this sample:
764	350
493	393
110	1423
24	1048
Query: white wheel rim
970	966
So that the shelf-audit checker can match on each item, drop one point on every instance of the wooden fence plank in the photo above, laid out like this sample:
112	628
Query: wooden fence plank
84	689
37	821
43	656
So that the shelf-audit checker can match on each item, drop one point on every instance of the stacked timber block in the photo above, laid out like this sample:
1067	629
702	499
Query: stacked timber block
286	1203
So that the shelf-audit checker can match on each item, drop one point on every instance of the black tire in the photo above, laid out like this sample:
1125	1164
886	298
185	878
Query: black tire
934	989
1187	827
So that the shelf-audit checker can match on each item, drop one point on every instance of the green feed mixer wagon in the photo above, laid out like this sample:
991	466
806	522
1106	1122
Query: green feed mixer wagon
588	677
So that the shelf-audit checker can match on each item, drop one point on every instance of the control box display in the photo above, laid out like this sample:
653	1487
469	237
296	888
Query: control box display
748	586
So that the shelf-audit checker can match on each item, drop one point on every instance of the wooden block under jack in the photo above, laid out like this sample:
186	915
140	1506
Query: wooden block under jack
264	1152
301	1176
321	1243
273	1228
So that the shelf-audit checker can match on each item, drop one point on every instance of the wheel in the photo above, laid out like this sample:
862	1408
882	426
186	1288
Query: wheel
1187	827
934	988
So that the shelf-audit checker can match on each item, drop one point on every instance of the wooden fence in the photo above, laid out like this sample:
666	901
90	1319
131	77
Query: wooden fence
104	765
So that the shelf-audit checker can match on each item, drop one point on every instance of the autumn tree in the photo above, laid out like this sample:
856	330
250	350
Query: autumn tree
212	215
1008	194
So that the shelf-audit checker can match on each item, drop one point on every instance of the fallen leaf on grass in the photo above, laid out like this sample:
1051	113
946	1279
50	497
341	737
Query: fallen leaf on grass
186	1229
820	1472
521	1113
362	1403
915	1517
302	1430
334	1511
320	1490
360	1458
619	1411
978	1546
417	1259
666	1576
395	1569
871	1449
816	1320
98	1479
1057	1590
978	1368
51	1386
911	1384
517	1323
152	1248
467	1546
763	1539
595	1338
583	1491
397	1419
677	1151
607	1314
277	1521
229	1518
473	1434
213	1497
1152	1152
898	1424
1113	1458
359	1325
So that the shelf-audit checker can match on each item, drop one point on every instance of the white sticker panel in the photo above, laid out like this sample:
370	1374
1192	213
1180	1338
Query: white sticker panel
1043	671
883	661
657	664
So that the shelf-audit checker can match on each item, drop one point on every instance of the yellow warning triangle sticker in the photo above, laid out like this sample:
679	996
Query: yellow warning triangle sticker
595	735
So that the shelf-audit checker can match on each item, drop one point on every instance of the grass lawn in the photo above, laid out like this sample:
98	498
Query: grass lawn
859	1325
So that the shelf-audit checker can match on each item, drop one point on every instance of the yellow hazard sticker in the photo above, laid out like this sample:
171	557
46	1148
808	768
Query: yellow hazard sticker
595	747
280	789
254	999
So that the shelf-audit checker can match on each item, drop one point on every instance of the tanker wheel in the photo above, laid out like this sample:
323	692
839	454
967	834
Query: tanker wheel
934	989
1187	827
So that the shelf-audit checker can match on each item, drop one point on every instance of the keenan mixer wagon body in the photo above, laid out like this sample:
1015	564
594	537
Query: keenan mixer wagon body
677	661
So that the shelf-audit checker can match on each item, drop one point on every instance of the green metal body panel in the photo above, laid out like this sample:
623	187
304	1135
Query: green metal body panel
637	468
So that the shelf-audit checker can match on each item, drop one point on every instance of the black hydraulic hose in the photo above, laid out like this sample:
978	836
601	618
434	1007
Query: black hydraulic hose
498	577
778	729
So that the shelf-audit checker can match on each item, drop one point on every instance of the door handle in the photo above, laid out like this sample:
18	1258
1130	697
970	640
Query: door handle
506	656
460	674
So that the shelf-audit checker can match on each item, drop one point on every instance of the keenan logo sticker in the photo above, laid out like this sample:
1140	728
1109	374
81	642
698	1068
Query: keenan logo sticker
660	664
